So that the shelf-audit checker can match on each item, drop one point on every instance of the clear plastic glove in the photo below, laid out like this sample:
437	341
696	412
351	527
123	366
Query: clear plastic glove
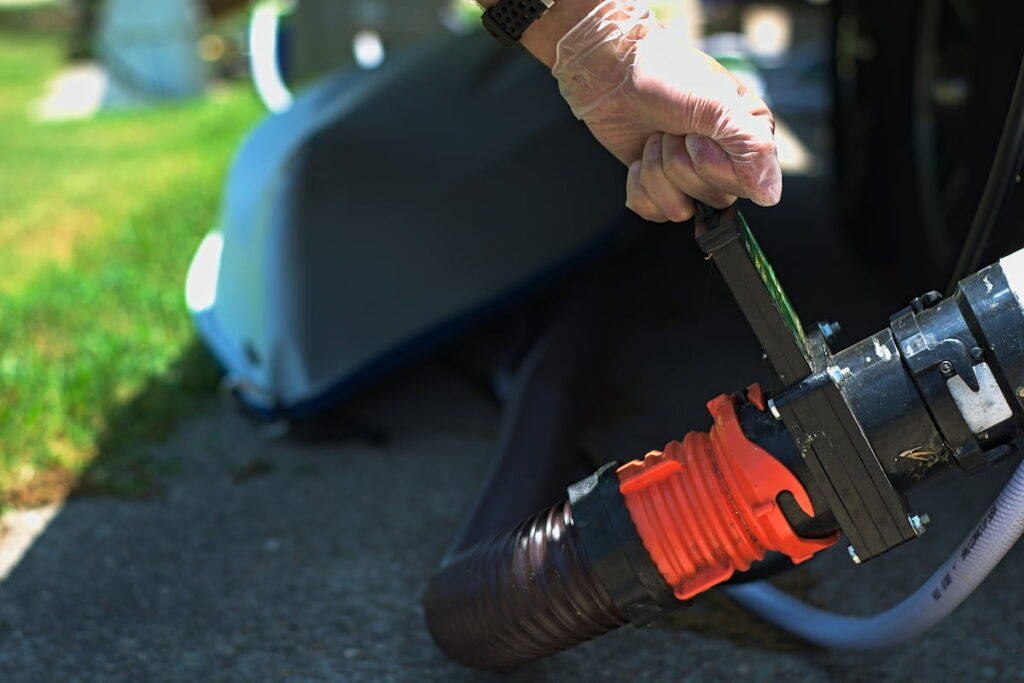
684	125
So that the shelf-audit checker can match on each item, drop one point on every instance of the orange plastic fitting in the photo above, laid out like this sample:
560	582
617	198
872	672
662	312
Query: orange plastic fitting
706	508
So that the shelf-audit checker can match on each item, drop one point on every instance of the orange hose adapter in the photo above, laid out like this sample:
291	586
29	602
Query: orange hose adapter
706	508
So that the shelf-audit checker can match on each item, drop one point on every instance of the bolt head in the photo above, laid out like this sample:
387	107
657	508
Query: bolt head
839	375
834	373
946	368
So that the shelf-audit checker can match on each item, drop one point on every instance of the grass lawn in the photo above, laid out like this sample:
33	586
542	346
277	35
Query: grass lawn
98	221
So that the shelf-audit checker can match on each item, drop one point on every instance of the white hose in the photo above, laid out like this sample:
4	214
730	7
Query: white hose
943	592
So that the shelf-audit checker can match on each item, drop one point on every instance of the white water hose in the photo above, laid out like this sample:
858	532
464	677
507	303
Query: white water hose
969	565
943	592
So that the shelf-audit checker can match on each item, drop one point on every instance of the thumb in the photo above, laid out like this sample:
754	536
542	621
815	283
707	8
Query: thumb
729	130
740	157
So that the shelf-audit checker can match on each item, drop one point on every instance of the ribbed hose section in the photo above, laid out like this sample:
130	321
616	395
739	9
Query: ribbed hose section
524	594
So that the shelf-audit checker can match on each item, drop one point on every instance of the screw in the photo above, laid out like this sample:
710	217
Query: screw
853	554
977	353
839	375
946	368
918	523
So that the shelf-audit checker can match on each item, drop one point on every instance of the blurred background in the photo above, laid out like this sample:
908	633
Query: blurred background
289	205
121	119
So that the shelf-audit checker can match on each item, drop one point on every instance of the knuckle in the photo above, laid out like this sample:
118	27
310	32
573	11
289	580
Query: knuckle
652	214
650	162
676	215
722	201
683	214
680	209
676	167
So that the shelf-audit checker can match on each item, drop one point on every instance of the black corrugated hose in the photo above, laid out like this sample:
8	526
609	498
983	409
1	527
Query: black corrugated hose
569	573
523	595
564	576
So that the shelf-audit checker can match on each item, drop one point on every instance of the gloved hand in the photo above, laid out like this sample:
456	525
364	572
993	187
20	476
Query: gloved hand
684	125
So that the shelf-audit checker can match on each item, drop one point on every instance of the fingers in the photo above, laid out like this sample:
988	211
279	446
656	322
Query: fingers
663	184
637	199
663	193
681	173
713	166
731	141
755	158
751	170
676	170
756	161
740	156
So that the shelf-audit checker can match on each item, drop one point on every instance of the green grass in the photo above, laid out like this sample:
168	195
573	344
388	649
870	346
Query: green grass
98	221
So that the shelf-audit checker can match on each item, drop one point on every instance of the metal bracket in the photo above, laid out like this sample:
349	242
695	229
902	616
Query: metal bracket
870	511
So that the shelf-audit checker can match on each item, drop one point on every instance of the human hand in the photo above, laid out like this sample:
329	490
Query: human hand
687	128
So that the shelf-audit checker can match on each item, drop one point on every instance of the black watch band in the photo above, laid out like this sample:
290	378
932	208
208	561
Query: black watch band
508	19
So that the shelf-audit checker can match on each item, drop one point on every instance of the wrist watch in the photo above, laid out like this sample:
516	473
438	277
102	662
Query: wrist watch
508	19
